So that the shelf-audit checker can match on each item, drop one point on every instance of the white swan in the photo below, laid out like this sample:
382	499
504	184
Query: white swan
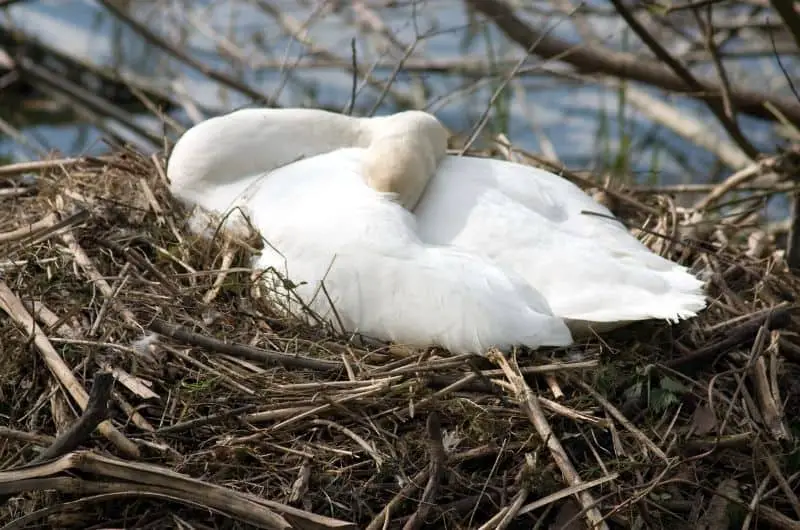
489	254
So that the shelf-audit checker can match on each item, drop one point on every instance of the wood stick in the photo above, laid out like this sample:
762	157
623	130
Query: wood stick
437	458
96	411
82	259
12	305
530	405
240	350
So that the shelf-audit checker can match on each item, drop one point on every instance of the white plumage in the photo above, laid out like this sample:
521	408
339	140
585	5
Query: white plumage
490	254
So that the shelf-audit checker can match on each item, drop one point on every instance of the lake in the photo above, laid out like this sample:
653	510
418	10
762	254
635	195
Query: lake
584	124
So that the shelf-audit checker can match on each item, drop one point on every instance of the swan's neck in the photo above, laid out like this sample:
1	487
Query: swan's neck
244	144
402	151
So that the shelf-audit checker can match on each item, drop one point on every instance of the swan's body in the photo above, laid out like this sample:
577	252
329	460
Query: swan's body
491	253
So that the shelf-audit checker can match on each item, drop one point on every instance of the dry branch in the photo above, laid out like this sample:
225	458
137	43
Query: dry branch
96	411
240	350
790	16
775	318
12	305
249	508
437	458
184	57
598	60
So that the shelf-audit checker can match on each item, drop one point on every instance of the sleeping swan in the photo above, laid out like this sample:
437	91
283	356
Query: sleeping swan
407	244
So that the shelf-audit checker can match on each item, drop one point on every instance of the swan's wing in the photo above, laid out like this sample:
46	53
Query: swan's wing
550	196
587	267
321	223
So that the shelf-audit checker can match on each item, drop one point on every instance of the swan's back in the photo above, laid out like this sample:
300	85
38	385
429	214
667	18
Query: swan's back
588	267
323	225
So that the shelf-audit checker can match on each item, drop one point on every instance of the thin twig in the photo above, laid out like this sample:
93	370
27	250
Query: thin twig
437	458
182	334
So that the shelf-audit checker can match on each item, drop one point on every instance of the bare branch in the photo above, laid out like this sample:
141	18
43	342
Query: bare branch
187	59
787	9
96	411
712	100
599	60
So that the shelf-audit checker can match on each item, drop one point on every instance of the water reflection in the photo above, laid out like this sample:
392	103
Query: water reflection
300	53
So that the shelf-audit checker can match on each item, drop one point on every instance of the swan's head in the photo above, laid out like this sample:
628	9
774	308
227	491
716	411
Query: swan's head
403	154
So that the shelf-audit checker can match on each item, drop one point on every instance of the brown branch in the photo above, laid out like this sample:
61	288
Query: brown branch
13	306
693	5
713	51
137	259
787	10
776	319
96	412
143	477
437	457
26	437
530	406
599	60
793	239
124	90
711	98
184	57
182	334
384	516
88	100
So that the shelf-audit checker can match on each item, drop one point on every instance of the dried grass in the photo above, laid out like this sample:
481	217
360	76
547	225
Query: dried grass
240	417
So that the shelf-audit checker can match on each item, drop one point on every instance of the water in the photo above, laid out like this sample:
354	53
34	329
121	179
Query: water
587	126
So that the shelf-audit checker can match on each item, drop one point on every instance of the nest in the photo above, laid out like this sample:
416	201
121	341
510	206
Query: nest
143	367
